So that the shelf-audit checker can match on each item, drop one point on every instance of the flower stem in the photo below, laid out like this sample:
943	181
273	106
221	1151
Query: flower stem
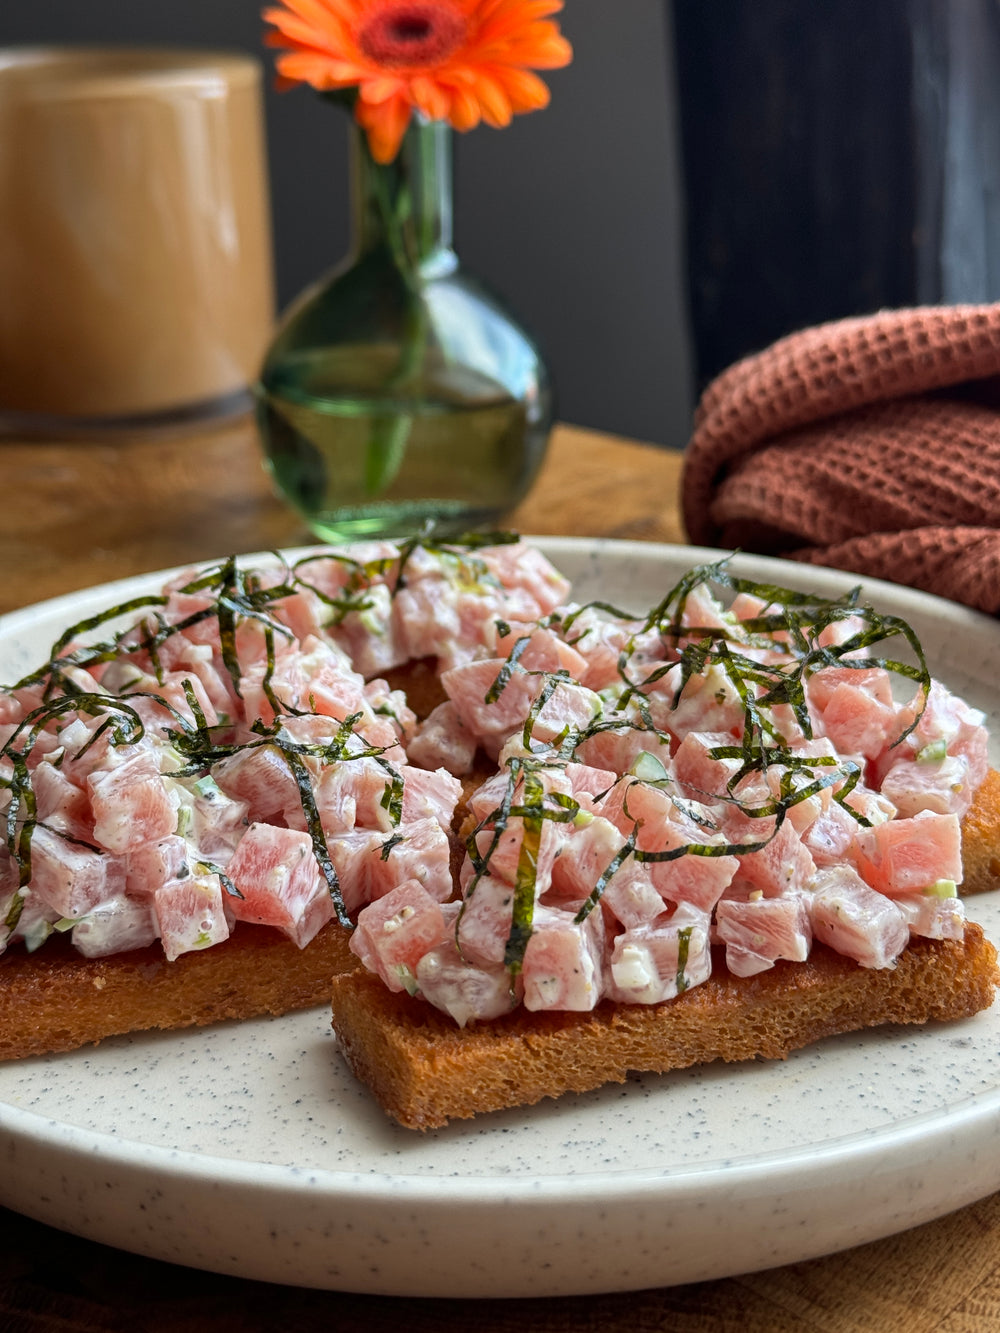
392	193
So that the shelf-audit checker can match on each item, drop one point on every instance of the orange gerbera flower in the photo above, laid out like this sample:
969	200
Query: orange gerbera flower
457	60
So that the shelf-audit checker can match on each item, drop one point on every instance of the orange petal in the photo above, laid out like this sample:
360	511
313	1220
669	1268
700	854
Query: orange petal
523	11
526	91
486	12
321	12
300	33
508	20
549	52
377	88
430	97
326	25
465	113
385	124
477	11
318	70
493	101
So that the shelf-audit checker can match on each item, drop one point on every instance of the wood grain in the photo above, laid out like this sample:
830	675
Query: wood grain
594	485
79	512
74	513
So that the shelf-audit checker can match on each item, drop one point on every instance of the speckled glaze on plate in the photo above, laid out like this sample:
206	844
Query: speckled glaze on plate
248	1149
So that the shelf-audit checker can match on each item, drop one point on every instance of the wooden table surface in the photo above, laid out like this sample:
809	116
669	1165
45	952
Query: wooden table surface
77	513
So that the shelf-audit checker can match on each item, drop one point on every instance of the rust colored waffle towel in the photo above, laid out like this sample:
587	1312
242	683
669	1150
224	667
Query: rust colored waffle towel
871	444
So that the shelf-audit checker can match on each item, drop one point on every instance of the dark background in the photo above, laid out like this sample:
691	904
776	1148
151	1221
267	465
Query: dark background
710	175
839	157
571	214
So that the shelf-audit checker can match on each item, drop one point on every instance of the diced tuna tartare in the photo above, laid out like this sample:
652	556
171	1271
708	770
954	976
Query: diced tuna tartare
703	785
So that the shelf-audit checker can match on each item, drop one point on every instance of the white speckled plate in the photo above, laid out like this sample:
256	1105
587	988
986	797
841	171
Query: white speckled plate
248	1148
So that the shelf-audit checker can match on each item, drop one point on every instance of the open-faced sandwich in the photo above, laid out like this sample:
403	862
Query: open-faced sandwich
564	841
712	831
201	787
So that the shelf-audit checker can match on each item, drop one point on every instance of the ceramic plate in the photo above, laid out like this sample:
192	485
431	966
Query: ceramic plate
248	1149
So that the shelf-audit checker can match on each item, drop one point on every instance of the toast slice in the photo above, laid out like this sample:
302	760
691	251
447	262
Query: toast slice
57	1000
981	838
425	1071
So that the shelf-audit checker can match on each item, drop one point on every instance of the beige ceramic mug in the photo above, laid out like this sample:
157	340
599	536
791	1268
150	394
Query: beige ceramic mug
135	244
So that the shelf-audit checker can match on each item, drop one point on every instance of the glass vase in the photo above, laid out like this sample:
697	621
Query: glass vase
397	392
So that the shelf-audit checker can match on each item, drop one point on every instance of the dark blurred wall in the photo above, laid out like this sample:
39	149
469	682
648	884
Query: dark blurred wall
839	157
571	214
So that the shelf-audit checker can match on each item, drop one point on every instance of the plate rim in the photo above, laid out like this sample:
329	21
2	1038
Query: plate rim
821	574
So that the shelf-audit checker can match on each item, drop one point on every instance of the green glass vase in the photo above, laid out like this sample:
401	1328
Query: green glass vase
397	392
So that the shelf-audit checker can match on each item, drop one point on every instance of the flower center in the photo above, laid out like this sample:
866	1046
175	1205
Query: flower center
411	32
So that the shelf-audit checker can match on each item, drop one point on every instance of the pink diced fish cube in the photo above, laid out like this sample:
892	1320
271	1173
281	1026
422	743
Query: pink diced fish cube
905	856
564	961
70	878
130	804
759	931
654	962
394	933
856	921
281	883
190	914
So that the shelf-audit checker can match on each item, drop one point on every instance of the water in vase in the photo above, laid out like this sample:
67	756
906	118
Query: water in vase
358	452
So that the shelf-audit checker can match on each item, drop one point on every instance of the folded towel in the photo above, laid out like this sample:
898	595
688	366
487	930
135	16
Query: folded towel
871	444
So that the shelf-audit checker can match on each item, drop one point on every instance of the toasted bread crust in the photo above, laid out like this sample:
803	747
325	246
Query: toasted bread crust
426	1071
981	838
57	1000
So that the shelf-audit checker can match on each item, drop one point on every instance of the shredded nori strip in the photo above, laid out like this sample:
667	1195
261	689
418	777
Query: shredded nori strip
683	945
617	861
507	670
523	911
316	835
536	806
210	868
87	655
389	844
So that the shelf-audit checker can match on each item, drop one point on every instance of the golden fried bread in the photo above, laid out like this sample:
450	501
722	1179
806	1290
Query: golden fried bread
57	1000
981	838
425	1071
